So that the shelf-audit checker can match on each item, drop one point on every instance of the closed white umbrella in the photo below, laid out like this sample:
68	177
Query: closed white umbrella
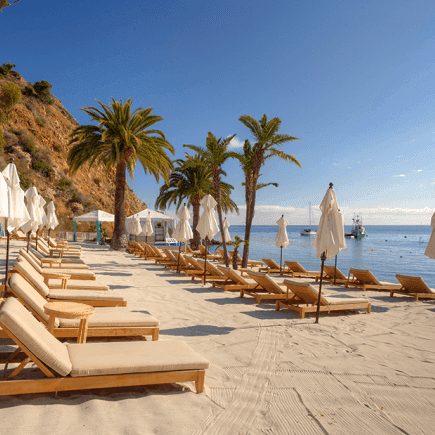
281	239
430	248
148	228
207	225
225	231
52	221
32	225
329	240
136	228
182	232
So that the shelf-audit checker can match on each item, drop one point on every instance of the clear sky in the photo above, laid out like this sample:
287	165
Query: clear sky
354	80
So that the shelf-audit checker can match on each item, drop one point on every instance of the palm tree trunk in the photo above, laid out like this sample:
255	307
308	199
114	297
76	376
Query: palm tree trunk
217	189
195	220
119	239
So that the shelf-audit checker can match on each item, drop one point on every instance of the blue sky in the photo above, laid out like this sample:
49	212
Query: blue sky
354	80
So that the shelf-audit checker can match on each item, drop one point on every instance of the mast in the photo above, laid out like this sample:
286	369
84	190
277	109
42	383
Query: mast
310	216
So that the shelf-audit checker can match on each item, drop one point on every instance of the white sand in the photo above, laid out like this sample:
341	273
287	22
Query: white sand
270	372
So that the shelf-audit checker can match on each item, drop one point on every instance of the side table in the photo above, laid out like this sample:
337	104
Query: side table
70	310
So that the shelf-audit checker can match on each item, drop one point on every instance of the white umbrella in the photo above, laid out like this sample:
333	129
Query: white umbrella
52	221
32	225
281	239
430	248
329	240
225	231
135	227
148	228
207	225
182	232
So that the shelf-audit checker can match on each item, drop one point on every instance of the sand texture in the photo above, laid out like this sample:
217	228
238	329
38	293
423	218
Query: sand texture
270	372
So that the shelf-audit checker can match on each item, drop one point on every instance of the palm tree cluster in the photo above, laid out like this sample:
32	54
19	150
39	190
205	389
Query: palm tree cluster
119	138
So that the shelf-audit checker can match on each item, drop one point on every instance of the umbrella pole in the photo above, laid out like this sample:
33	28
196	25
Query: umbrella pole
335	270
205	259
7	253
323	258
280	263
178	259
28	240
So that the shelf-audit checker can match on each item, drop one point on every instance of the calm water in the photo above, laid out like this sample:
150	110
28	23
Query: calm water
386	250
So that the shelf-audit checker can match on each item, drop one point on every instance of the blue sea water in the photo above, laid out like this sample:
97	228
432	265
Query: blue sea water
386	250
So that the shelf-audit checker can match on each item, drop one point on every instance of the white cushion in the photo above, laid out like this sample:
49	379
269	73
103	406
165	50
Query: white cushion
83	295
90	359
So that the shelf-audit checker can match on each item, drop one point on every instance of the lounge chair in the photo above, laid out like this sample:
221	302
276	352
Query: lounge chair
413	286
90	297
191	251
196	268
55	263
296	270
234	281
329	272
307	295
64	260
18	235
210	256
46	250
104	322
212	274
75	366
250	262
364	279
268	289
74	273
183	264
62	245
271	266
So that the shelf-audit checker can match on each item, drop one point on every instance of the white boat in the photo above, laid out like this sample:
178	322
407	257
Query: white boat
308	231
358	231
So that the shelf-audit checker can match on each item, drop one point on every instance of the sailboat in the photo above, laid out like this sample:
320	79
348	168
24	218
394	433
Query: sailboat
308	231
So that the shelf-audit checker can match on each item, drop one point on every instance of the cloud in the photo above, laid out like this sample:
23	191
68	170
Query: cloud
349	167
401	175
417	170
335	164
398	157
236	143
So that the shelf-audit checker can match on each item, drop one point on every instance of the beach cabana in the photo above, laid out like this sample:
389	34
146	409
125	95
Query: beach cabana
155	217
96	216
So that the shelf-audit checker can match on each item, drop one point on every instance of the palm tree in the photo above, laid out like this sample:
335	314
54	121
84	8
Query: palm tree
191	180
216	154
118	141
267	140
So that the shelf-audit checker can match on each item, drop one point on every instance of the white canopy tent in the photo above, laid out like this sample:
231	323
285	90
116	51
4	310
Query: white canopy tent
155	216
96	216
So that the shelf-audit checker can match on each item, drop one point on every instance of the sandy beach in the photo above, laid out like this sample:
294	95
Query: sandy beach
270	372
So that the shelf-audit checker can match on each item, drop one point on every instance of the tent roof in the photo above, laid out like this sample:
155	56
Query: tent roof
94	216
142	215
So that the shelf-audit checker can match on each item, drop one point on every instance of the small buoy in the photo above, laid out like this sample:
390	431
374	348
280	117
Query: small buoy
405	237
386	240
400	256
372	249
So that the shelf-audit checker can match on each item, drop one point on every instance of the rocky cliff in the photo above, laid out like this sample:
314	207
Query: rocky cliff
37	138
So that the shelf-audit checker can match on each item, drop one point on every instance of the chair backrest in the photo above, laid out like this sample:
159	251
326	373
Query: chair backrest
30	260
294	266
331	270
364	276
233	275
193	262
271	264
306	292
414	284
34	336
29	273
266	282
157	252
183	261
211	268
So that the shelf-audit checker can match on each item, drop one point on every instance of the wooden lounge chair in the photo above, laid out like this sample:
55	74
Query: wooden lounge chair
62	245
76	366
296	270
104	322
250	262
234	281
364	279
90	297
329	272
413	286
74	273
46	250
18	235
183	266
271	266
196	268
212	274
191	251
307	295
64	260
268	289
55	263
210	256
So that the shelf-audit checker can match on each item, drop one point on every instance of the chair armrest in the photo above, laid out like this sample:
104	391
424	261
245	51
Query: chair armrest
62	276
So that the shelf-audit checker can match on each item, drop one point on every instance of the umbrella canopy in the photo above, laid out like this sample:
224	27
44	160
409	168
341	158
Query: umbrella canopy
207	225
182	231
430	248
134	226
281	239
18	213
226	225
95	216
148	227
34	210
4	200
44	220
52	221
330	234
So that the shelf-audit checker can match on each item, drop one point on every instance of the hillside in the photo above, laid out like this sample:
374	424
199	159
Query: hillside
37	138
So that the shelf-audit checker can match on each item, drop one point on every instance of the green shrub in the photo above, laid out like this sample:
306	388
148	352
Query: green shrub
97	180
29	145
28	91
42	90
42	167
25	182
2	141
6	68
10	95
64	182
57	147
41	122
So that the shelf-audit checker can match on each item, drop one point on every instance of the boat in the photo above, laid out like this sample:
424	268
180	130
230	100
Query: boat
308	231
358	231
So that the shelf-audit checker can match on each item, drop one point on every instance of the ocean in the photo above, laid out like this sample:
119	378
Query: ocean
386	249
